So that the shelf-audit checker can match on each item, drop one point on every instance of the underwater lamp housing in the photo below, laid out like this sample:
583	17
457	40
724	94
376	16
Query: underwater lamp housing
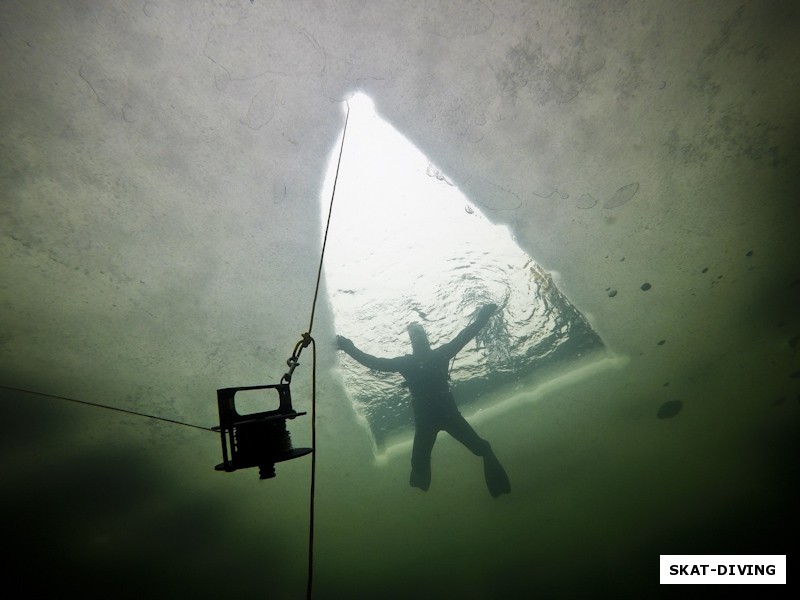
257	439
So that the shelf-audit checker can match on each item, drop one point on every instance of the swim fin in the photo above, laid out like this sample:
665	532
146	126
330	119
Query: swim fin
496	477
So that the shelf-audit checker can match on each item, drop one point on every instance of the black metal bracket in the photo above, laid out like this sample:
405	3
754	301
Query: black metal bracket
256	439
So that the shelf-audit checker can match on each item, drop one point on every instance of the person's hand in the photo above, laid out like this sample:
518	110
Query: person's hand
343	343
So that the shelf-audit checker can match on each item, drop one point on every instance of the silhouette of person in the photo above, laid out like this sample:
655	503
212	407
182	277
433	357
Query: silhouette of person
426	373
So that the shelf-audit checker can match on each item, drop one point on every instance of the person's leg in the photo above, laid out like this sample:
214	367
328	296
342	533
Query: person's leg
496	478
462	431
424	439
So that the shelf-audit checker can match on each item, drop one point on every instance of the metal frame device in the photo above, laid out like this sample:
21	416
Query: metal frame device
256	439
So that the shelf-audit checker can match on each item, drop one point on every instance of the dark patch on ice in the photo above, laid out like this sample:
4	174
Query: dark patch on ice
586	201
705	270
662	342
622	195
492	196
669	409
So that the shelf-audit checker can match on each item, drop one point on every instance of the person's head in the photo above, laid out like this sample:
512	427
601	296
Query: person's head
419	339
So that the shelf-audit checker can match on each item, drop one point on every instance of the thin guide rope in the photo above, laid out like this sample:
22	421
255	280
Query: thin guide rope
314	373
98	405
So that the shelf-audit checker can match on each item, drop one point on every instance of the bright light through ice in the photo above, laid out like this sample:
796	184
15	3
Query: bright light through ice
406	245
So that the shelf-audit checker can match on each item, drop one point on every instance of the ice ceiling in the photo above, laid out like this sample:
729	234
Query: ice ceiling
405	246
162	175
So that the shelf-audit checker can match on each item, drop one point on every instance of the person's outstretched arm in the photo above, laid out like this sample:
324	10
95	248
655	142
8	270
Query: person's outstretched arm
454	346
369	361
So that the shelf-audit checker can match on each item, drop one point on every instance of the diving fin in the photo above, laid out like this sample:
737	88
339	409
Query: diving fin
496	477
